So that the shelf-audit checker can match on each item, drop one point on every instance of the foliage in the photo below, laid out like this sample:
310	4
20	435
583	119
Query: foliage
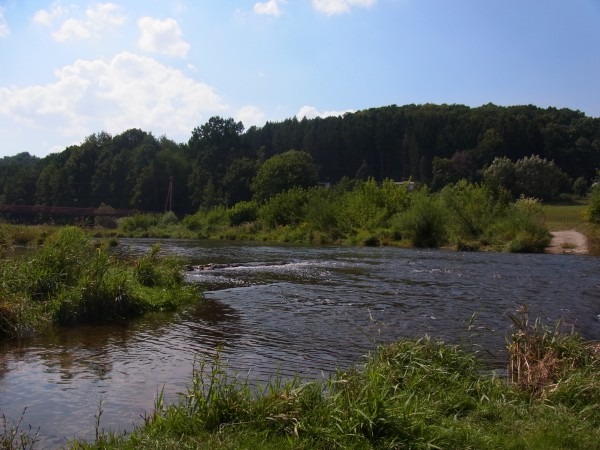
139	222
433	144
473	209
410	394
522	229
284	208
71	280
425	221
501	174
292	169
580	186
543	357
531	176
537	177
17	436
243	212
593	211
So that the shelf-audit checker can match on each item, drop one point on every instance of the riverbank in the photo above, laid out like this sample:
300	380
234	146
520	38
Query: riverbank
307	307
410	394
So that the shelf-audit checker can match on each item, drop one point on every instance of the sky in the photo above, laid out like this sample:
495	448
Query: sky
69	69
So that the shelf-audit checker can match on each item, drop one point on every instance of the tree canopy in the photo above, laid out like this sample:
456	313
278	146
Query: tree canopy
222	164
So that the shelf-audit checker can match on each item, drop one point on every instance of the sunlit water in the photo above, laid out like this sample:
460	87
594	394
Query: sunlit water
285	310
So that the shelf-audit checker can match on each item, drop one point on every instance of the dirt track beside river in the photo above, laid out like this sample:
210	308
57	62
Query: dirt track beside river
568	241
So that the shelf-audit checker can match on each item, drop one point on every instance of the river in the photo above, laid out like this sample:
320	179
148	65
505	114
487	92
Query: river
287	310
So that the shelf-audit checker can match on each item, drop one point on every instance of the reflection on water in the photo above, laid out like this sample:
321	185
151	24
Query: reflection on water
296	310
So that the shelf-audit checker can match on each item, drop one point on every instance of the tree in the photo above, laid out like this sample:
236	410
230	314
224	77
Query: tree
214	146
500	174
282	172
580	186
539	178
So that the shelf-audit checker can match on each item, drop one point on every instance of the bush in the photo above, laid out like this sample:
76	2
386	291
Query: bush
139	222
207	222
472	209
522	228
425	221
168	218
286	208
243	212
593	210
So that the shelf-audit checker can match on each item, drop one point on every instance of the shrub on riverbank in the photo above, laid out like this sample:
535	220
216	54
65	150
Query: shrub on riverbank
411	394
71	280
465	216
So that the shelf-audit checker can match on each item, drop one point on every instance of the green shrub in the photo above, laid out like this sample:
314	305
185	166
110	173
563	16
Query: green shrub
425	221
286	208
139	222
243	212
152	271
208	222
522	229
168	218
472	209
593	210
322	209
59	262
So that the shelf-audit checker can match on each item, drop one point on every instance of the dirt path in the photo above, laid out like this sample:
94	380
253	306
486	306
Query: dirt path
569	241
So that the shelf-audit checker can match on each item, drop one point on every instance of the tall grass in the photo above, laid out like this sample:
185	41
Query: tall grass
72	280
412	394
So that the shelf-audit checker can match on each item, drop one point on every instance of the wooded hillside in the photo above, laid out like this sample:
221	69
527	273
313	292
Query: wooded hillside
433	144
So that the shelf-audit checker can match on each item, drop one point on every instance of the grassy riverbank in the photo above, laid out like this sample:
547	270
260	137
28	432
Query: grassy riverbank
411	394
72	279
464	216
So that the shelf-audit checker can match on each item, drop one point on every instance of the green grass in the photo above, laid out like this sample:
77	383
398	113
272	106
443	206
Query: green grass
567	214
70	279
412	394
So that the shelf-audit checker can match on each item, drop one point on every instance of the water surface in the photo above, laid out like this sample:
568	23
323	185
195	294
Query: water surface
287	309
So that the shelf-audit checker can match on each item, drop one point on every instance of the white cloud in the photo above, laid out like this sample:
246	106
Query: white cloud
126	92
4	29
98	18
310	112
47	17
250	116
332	7
162	36
270	8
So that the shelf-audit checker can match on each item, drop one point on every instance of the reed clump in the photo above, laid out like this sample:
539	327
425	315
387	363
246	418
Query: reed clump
543	358
71	280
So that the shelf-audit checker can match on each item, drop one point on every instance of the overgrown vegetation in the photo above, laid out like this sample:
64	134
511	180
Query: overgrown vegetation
70	279
222	164
410	394
465	216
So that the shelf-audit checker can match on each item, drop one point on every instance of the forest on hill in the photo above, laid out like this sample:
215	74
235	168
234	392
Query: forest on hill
432	144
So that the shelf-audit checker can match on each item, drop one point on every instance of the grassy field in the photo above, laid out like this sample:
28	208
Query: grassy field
566	214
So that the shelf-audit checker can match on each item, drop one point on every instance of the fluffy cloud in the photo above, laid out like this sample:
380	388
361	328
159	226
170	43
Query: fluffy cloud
310	112
98	18
332	7
162	36
270	8
4	30
126	92
47	17
250	116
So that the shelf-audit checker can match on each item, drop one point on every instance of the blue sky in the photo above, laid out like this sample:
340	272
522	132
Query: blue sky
73	68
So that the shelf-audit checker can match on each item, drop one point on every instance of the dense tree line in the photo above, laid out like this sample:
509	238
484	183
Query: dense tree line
432	144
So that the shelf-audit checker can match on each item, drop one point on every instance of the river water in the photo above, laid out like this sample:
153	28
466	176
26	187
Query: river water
286	310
